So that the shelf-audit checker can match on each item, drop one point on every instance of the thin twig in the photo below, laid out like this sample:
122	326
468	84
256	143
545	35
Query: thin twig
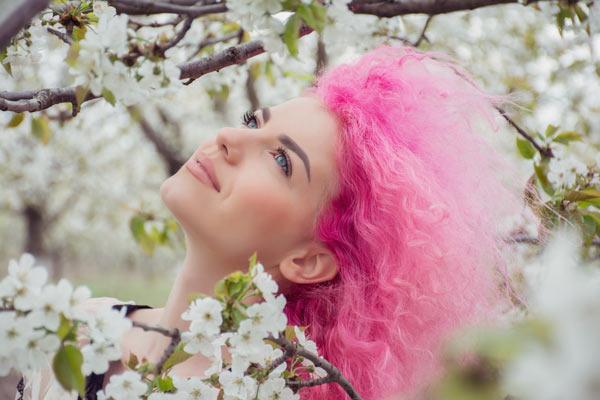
333	374
178	37
422	35
61	35
174	21
545	151
209	41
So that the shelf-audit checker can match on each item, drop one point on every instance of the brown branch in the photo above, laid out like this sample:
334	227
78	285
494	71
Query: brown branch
168	155
147	7
173	22
545	151
175	339
178	37
422	35
61	35
333	374
37	100
431	7
230	56
211	40
20	16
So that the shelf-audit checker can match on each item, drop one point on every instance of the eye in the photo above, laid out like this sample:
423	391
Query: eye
283	159
248	118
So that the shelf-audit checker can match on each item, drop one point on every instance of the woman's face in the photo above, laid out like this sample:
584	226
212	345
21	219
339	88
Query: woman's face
272	176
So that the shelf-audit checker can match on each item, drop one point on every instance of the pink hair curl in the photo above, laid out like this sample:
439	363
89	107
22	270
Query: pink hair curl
412	223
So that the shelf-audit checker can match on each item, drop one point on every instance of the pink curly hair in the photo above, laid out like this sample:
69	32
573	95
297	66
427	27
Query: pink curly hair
411	223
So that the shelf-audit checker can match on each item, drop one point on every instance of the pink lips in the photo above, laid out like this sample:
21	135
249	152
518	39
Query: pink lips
202	168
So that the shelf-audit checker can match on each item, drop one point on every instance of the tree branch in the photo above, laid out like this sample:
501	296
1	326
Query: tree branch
146	7
422	35
546	151
333	374
37	100
432	7
61	35
18	18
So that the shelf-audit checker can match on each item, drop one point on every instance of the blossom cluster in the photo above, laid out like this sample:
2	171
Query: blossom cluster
96	62
41	322
39	319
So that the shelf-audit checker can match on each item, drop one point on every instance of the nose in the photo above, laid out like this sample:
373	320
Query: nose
231	142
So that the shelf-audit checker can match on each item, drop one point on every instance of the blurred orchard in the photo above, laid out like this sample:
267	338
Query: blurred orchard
102	100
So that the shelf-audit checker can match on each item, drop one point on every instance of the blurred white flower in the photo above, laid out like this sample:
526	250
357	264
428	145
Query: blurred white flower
97	355
53	301
194	389
39	350
107	323
125	386
275	389
565	294
237	385
264	282
24	282
563	172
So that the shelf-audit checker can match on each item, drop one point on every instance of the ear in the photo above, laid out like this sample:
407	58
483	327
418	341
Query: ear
311	264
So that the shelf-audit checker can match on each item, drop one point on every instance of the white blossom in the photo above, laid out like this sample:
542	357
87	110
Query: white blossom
53	301
264	282
194	389
275	389
237	386
563	172
205	315
125	386
24	282
97	355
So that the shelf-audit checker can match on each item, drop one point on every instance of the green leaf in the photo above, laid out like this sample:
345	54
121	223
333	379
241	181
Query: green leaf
566	137
109	96
221	290
15	120
164	384
525	148
64	328
67	369
73	54
269	72
7	67
585	194
41	129
590	225
540	173
320	13
290	34
252	261
307	15
550	130
80	94
230	27
79	33
136	224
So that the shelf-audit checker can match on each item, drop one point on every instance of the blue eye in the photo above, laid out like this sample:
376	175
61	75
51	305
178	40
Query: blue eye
282	158
249	117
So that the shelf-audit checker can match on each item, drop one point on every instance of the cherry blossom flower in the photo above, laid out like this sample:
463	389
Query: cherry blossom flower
194	389
125	386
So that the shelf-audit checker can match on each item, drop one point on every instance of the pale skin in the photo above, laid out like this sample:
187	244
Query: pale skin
258	208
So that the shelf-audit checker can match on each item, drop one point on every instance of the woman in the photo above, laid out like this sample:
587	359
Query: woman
372	199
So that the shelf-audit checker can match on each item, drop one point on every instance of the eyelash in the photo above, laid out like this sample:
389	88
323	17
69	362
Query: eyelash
287	171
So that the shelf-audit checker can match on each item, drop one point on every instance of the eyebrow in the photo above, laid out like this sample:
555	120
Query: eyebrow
289	142
293	146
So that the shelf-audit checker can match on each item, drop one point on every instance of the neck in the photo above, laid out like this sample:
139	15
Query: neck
199	274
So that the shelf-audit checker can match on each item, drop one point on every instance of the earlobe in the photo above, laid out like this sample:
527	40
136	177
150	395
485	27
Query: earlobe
313	265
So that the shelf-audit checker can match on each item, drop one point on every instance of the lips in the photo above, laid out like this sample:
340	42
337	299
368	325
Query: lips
201	166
